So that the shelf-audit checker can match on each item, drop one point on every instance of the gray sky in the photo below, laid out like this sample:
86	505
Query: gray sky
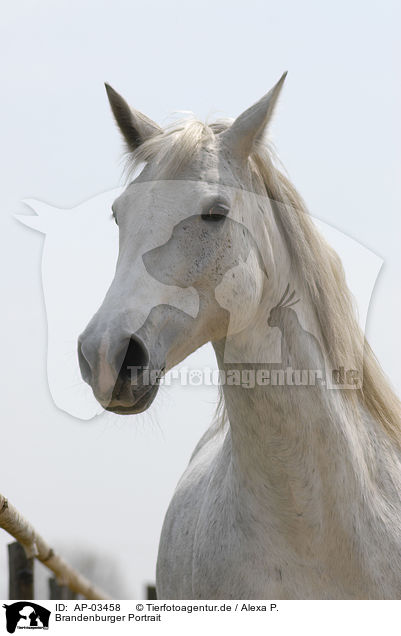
106	484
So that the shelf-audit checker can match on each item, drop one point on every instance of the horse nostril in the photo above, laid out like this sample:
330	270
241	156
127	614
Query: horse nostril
136	355
86	371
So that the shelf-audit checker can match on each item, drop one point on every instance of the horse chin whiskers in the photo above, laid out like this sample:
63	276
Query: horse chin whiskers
136	404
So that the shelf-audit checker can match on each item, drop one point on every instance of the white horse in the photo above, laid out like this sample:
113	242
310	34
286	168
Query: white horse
294	491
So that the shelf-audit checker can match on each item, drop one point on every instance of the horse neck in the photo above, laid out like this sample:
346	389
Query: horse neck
302	444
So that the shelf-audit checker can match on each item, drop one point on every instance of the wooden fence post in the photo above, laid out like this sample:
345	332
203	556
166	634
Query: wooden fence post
20	573
60	592
151	593
21	568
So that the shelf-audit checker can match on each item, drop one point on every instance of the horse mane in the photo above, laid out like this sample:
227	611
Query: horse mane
326	285
322	269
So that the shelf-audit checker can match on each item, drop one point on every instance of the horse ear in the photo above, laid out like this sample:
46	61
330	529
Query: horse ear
135	126
249	127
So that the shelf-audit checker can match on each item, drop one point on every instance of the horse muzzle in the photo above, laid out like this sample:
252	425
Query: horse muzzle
120	374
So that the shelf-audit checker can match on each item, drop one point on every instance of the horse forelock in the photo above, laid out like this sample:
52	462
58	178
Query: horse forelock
175	147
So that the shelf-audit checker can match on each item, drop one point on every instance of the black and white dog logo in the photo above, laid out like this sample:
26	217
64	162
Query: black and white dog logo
26	615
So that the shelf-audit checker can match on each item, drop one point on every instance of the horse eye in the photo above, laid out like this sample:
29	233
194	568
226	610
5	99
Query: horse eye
114	216
216	212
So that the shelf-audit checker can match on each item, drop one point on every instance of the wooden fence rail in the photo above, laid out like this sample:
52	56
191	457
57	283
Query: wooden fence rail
34	546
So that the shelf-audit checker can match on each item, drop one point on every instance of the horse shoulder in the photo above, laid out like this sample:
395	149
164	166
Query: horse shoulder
174	562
